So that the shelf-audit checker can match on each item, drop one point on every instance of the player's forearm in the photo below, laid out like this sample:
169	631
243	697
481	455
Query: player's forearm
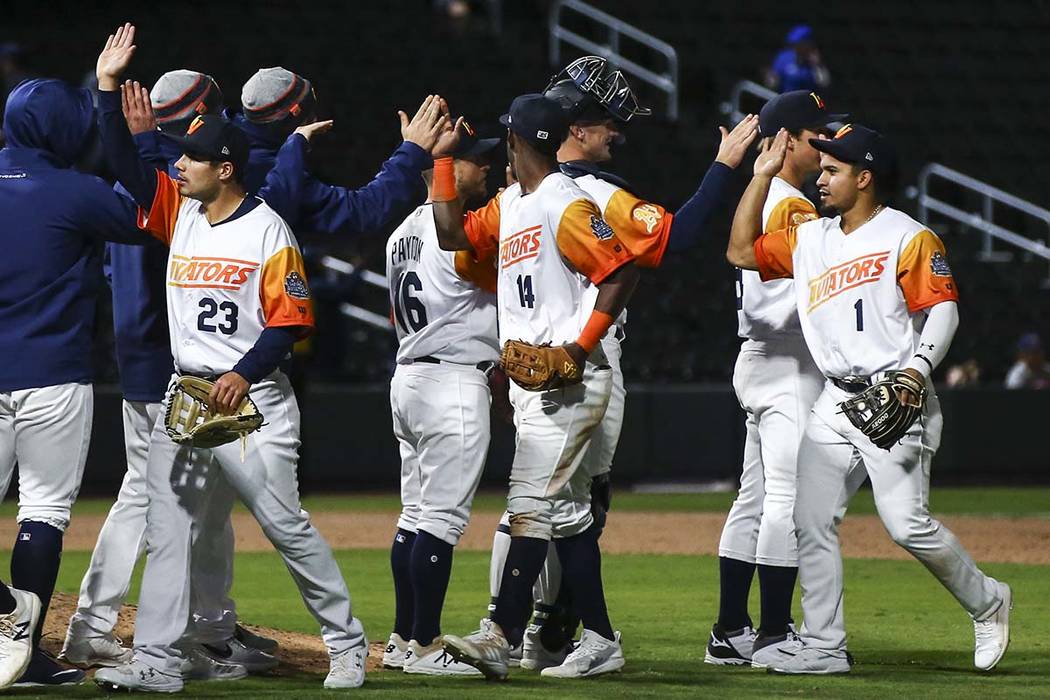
941	323
122	156
690	221
448	208
273	346
615	290
283	188
747	224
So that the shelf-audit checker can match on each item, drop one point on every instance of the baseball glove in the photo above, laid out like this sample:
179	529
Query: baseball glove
878	411
190	421
539	367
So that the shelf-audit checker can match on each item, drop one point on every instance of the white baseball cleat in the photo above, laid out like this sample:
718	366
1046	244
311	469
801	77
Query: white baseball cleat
593	656
486	650
992	634
535	656
795	658
434	660
729	648
394	653
202	666
16	636
765	649
348	669
139	677
103	650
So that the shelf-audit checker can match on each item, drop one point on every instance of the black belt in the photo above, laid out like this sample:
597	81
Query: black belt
853	385
486	367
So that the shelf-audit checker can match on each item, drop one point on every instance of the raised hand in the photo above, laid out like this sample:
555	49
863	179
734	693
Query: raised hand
736	142
426	126
138	111
771	159
308	131
449	139
115	57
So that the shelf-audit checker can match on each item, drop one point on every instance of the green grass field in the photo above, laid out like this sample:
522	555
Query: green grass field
910	638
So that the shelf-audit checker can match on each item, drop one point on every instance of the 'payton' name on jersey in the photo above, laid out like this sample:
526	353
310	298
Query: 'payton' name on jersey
407	248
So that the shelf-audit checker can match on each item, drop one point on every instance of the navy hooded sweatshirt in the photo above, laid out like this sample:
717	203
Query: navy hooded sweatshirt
51	221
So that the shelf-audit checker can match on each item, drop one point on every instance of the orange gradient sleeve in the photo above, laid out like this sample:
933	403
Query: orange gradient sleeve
159	221
642	226
773	252
480	273
923	273
283	292
482	227
589	243
790	211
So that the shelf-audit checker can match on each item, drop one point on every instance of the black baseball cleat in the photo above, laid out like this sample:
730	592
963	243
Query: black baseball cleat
44	670
729	648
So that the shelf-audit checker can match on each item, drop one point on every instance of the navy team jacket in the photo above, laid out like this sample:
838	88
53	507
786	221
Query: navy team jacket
52	219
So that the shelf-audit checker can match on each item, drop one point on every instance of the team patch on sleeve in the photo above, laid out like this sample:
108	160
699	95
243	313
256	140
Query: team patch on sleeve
601	230
642	226
939	265
295	286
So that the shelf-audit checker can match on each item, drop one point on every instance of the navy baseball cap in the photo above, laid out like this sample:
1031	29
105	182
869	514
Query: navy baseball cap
470	146
861	146
794	111
210	137
539	120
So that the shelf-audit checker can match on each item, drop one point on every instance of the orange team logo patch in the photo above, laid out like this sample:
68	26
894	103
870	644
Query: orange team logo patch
800	217
197	123
848	275
648	215
816	98
520	246
209	273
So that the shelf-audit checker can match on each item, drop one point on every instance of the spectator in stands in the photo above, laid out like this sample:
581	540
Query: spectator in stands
799	65
964	374
1031	370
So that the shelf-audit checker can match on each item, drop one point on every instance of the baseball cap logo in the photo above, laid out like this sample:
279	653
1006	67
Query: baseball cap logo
468	128
542	135
225	151
194	125
816	98
843	131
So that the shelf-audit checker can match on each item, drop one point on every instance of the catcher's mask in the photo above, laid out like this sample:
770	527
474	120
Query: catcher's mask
589	92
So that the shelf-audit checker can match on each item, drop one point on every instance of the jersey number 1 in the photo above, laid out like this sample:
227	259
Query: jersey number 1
859	308
407	307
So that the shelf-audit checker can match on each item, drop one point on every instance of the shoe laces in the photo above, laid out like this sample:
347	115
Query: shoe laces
984	630
350	661
589	645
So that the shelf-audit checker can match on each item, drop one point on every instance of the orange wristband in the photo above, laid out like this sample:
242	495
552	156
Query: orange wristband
444	187
595	329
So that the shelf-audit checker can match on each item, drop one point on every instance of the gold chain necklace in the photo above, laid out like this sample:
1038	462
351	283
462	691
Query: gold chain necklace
871	216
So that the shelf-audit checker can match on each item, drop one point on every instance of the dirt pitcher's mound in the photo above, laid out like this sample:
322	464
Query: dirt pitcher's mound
298	653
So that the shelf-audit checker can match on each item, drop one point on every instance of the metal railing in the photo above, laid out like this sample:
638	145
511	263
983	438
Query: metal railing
983	221
616	30
758	93
368	277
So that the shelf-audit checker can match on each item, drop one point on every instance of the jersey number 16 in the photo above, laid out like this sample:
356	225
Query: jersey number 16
410	312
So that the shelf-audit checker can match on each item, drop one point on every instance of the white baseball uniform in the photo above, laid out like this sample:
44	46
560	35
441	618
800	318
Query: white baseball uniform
226	283
861	299
553	246
776	383
444	310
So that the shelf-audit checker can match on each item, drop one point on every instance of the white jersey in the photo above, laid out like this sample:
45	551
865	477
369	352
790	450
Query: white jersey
859	295
551	247
225	282
767	310
436	300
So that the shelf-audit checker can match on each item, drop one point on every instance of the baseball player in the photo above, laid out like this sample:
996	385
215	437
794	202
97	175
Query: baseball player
599	104
53	217
875	295
444	313
238	300
776	383
563	277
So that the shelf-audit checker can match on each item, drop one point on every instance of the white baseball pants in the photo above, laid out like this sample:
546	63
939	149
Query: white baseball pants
47	431
900	480
776	384
181	481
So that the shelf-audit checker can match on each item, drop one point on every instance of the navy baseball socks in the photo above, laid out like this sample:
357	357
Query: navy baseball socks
401	568
776	586
35	559
581	562
734	588
524	563
431	569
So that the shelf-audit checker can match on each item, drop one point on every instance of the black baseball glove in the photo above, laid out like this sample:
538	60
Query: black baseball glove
879	412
